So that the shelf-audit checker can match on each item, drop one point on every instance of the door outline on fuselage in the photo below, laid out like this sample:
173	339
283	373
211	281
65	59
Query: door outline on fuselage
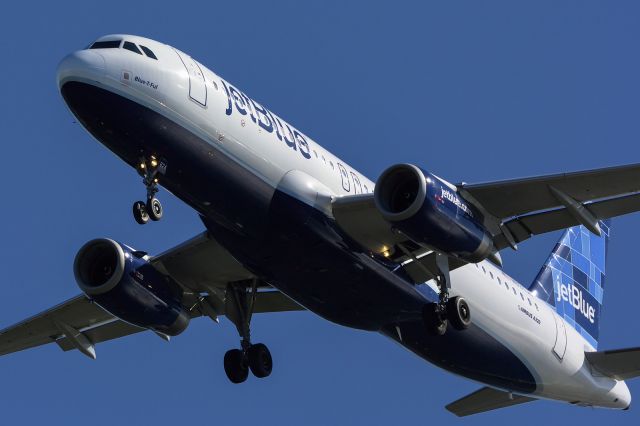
197	84
560	345
346	183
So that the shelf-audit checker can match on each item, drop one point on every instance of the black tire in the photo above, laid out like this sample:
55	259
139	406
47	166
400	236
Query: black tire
434	321
236	366
140	212
260	360
154	209
458	313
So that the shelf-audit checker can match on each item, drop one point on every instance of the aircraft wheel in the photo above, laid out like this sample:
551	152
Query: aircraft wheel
235	366
434	321
458	313
260	360
140	212
154	209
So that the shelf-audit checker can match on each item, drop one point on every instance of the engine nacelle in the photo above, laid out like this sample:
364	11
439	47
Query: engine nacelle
122	282
429	211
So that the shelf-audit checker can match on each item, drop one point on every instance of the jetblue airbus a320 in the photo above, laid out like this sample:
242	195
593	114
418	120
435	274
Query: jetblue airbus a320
411	256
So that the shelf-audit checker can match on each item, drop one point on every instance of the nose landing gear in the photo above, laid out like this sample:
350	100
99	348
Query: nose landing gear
152	209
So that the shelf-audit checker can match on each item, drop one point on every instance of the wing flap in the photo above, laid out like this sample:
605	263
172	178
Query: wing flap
524	227
621	364
107	331
485	399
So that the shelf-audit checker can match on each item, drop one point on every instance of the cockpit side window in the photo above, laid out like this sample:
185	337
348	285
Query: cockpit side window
132	47
148	52
107	44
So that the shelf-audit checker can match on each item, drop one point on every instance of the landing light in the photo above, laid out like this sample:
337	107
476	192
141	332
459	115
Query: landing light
142	166
154	162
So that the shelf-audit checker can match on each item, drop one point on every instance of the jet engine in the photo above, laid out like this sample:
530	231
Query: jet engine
430	211
125	284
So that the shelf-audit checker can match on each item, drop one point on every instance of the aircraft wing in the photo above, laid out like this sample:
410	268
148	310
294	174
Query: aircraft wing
485	399
509	198
200	265
514	210
535	205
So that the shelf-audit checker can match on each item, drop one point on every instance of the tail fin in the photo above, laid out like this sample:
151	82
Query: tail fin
572	279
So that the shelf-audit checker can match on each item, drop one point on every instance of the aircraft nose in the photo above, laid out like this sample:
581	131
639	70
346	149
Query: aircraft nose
80	65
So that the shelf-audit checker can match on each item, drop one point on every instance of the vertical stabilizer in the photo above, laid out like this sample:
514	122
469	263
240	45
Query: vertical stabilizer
572	279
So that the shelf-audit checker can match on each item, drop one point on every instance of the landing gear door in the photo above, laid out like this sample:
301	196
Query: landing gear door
197	86
560	346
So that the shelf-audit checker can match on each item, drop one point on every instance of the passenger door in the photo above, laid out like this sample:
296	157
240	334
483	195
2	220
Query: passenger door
197	86
560	346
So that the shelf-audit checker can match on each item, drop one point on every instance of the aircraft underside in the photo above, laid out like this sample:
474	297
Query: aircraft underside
287	243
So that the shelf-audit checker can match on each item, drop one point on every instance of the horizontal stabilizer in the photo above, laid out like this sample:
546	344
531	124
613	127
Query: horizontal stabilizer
485	399
621	364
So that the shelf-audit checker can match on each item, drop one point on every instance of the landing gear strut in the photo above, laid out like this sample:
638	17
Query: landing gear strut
437	316
255	357
152	209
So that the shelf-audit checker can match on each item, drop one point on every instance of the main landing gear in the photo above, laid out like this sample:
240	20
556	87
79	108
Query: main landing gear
455	310
152	208
255	357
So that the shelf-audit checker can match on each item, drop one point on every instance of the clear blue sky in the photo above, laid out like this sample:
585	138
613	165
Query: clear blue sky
473	91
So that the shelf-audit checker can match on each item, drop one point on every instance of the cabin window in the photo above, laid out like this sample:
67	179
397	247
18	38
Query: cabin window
506	285
491	275
150	54
514	291
108	44
529	301
484	270
522	296
499	282
132	47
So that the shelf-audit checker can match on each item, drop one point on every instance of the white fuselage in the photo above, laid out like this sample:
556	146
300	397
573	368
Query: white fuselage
189	94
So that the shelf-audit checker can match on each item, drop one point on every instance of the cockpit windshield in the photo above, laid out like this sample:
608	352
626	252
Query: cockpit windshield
115	44
107	44
132	47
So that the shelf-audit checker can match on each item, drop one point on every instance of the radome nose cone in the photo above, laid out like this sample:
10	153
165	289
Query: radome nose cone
80	65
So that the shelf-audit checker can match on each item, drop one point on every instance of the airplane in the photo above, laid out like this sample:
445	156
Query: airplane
289	226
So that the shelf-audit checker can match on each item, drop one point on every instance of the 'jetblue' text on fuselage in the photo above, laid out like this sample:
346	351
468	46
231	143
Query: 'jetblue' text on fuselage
265	119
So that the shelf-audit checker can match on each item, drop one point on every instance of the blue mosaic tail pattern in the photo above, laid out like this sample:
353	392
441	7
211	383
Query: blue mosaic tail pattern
572	279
